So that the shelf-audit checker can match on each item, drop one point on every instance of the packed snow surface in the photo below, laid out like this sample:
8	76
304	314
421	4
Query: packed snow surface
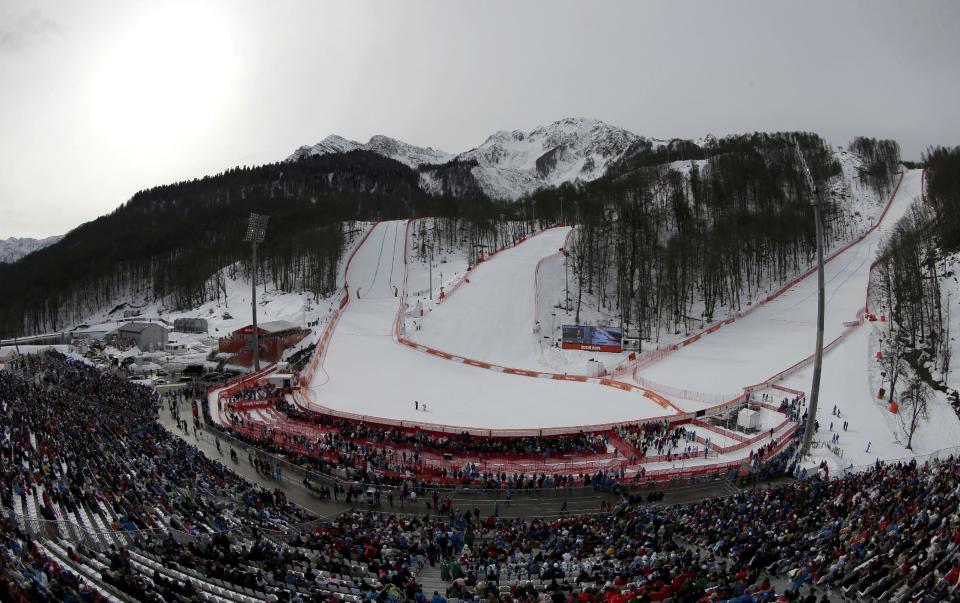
493	317
367	372
849	381
500	317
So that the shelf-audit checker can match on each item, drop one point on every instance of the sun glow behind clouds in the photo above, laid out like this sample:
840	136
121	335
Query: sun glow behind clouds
167	77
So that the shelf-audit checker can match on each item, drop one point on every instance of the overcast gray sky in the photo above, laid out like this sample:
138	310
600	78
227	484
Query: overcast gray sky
101	99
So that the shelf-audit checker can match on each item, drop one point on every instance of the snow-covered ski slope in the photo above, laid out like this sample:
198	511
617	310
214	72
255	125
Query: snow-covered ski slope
366	372
850	380
782	332
493	317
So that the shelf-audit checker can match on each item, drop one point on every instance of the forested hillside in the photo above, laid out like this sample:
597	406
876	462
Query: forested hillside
668	238
679	232
916	280
168	242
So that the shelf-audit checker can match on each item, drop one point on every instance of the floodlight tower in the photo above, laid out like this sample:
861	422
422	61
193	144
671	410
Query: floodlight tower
818	358
256	231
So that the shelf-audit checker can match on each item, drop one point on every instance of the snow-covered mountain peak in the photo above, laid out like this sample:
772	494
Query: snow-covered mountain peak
403	152
330	144
509	165
14	248
514	164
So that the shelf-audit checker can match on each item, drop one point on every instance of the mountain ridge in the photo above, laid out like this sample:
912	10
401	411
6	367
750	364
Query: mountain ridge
392	148
14	248
507	165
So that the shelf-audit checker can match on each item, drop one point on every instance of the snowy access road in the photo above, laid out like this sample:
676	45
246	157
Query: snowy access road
492	318
368	373
782	332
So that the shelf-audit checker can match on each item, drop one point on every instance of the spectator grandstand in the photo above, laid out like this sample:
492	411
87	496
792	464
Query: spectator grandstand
644	453
102	503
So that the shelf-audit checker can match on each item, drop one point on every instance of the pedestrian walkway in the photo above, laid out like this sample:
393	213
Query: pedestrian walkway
430	581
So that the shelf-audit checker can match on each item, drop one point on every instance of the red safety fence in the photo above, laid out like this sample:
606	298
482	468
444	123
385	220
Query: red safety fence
655	397
720	430
297	438
300	439
788	425
790	390
248	405
683	394
237	383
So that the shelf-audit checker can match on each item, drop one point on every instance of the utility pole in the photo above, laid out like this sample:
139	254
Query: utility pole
818	358
256	231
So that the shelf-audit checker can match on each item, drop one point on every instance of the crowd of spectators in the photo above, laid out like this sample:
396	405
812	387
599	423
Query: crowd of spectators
894	530
658	438
382	454
84	459
365	453
77	443
418	440
369	464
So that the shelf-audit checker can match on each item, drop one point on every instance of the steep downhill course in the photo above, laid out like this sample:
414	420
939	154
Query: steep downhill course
492	318
366	372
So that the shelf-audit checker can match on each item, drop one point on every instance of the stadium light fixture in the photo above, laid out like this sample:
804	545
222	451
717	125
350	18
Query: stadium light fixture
430	261
818	358
256	232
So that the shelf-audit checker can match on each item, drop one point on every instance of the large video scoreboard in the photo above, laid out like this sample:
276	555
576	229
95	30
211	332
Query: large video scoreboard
594	339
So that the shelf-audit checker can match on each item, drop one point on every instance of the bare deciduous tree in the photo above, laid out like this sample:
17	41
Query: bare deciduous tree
913	407
892	361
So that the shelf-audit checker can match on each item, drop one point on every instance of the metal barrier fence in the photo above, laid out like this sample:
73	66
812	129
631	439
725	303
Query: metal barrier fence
684	394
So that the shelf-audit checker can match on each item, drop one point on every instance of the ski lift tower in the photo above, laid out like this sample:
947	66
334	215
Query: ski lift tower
256	231
818	358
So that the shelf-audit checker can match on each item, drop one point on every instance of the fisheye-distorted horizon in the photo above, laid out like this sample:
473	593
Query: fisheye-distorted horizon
101	99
